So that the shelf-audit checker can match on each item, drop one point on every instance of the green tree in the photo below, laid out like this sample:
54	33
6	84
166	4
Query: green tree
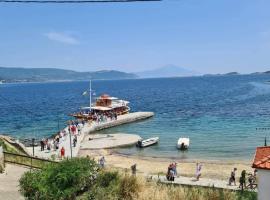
64	180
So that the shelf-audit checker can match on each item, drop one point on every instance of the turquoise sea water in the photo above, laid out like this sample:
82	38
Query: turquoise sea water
219	114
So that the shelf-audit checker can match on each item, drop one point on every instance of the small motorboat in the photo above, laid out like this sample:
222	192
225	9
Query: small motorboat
183	143
147	142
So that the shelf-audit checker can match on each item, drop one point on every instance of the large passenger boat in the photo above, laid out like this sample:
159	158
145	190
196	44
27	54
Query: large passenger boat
104	105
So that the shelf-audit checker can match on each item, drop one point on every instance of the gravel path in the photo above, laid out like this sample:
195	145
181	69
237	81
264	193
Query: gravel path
9	182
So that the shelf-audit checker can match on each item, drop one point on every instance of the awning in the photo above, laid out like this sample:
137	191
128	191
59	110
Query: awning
102	108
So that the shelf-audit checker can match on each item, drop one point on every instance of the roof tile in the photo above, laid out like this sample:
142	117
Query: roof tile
262	158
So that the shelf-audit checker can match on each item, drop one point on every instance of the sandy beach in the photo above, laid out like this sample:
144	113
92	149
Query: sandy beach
149	165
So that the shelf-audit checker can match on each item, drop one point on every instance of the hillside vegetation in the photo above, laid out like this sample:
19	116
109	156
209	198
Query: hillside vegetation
53	74
82	179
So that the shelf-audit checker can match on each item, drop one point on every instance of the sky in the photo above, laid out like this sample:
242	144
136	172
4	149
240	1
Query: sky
206	36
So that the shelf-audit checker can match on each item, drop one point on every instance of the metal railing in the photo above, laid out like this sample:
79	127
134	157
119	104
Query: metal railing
25	160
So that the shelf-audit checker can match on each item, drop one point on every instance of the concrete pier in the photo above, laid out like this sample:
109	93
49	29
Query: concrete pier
122	119
103	141
90	128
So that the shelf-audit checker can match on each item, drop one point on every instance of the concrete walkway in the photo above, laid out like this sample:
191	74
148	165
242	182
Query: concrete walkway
203	182
103	141
66	142
87	129
9	182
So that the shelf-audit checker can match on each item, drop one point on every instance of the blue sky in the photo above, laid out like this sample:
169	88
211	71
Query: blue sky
209	36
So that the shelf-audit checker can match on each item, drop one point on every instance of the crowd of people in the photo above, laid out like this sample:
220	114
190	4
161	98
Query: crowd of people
99	117
54	143
104	116
252	177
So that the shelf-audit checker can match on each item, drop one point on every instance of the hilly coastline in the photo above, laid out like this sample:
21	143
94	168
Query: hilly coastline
10	75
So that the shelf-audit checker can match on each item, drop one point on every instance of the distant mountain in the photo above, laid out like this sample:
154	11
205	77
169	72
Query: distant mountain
231	73
54	74
226	74
166	71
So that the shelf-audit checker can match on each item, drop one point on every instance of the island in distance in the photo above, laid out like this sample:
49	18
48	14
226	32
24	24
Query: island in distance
24	75
11	75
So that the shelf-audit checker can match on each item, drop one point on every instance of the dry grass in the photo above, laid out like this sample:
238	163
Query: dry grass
157	191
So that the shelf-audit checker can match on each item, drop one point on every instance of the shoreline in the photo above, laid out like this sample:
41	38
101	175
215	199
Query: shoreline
185	160
152	166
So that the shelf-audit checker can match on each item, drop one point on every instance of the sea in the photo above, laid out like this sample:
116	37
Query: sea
225	117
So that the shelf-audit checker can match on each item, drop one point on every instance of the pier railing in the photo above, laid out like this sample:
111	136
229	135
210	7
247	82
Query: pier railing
25	160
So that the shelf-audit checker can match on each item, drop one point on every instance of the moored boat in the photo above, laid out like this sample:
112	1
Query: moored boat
183	143
147	142
104	106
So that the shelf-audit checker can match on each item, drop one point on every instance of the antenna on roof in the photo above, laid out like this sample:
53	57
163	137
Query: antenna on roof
265	142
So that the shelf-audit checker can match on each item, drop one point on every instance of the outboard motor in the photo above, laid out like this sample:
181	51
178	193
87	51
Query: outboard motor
183	147
139	143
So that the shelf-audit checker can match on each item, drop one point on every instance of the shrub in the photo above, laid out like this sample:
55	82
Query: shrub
106	187
59	181
129	187
113	186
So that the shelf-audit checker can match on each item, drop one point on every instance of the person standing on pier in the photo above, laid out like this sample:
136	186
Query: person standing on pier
62	152
79	129
42	145
73	129
75	140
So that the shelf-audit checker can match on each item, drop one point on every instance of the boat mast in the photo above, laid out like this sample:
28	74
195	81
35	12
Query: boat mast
90	94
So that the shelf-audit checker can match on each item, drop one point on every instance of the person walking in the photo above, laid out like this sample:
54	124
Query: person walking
242	180
174	168
79	129
73	129
62	152
198	171
102	162
75	140
232	178
134	169
42	145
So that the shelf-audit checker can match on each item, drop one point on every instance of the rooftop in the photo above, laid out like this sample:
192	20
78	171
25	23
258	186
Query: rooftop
262	158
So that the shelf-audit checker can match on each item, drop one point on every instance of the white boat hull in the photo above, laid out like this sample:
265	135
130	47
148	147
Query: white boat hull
183	143
147	142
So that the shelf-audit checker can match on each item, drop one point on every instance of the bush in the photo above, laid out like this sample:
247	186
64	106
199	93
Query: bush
59	181
128	187
113	186
106	186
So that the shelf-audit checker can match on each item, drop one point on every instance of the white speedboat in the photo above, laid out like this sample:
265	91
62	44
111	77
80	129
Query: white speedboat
183	143
147	142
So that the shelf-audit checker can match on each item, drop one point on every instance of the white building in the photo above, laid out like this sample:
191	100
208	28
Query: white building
262	164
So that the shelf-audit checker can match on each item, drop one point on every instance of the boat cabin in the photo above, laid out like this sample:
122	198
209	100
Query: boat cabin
104	105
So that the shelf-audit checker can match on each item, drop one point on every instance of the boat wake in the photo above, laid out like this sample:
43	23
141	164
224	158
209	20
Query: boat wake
257	89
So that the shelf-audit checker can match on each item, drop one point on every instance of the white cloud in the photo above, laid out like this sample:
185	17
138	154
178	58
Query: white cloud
62	37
